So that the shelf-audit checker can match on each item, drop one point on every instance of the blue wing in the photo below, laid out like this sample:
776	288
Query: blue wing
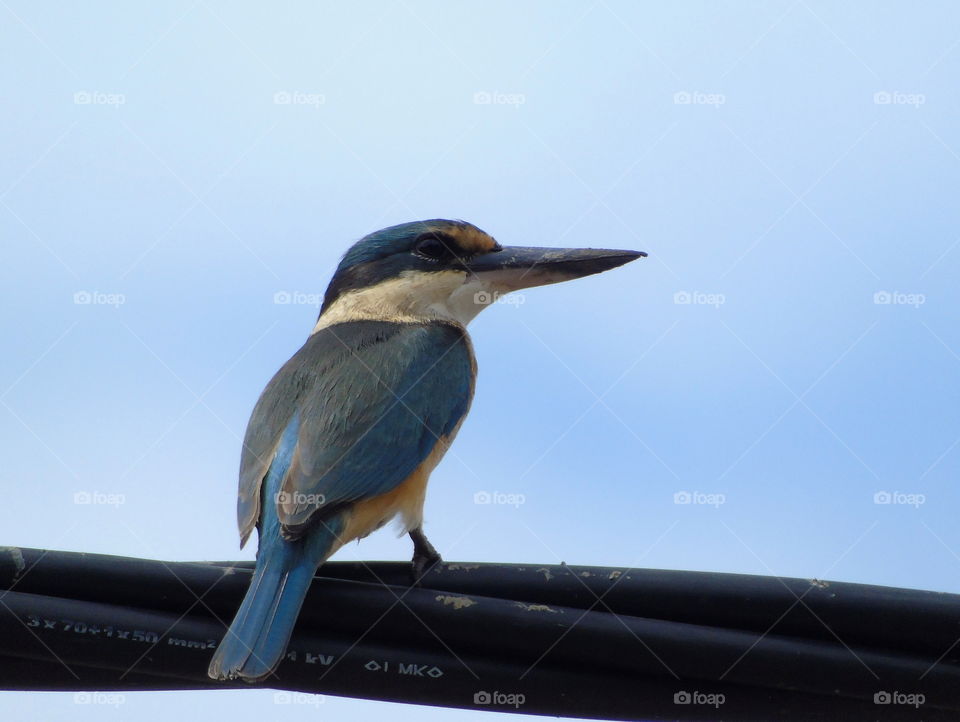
371	399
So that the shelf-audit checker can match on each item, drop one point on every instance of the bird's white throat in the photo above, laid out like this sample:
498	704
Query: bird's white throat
416	296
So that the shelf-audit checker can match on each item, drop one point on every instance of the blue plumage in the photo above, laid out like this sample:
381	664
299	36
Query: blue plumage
379	396
386	241
345	435
258	637
376	394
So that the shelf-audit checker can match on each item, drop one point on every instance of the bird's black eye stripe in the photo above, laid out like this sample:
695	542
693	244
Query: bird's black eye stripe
434	246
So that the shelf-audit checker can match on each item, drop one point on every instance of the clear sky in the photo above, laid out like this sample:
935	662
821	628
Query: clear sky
789	350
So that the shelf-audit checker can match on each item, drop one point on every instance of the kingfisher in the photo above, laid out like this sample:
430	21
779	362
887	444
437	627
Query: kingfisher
344	437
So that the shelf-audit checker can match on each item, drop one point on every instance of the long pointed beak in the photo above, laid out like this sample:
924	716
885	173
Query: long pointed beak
517	267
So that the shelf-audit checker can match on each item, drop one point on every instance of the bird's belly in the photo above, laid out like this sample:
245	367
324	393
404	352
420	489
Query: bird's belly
406	499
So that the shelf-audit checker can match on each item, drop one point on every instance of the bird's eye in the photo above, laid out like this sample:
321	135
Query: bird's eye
431	248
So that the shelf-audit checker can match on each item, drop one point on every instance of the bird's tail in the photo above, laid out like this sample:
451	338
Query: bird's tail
258	636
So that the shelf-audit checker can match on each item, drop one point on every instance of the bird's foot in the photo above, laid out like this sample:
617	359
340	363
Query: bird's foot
423	564
425	557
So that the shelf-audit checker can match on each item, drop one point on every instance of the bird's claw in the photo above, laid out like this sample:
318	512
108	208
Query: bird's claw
425	557
422	564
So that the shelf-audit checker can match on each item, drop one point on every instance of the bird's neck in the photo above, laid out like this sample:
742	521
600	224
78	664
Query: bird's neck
416	298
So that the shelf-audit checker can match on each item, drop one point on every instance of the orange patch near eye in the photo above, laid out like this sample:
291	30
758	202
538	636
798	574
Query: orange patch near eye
471	239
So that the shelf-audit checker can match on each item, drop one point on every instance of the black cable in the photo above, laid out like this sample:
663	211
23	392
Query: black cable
535	631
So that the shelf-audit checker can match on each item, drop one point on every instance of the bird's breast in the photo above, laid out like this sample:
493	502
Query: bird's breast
405	500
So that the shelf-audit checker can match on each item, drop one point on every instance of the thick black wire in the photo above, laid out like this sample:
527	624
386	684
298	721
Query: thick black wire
530	630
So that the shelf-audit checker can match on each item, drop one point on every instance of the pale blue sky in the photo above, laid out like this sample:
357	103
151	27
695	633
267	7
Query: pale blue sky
782	162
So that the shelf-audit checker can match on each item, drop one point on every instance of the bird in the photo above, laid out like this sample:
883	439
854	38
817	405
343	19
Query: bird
344	437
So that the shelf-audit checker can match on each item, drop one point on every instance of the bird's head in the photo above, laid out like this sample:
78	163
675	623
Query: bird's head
446	269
